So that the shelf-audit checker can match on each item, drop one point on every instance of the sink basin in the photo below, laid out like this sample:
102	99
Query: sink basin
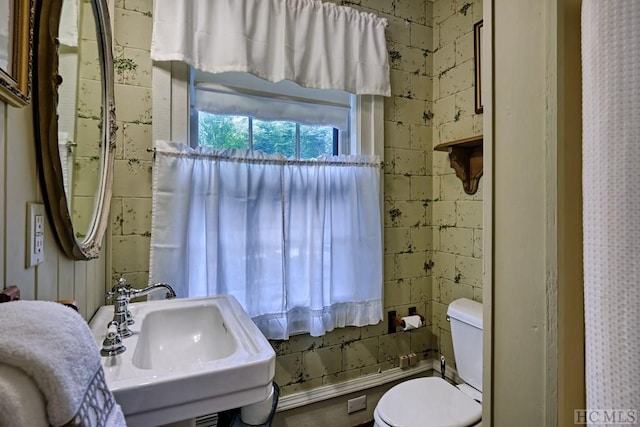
182	336
187	357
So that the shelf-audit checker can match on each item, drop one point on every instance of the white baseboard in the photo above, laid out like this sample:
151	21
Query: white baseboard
330	391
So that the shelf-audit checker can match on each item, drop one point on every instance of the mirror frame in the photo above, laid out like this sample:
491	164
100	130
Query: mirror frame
15	81
45	98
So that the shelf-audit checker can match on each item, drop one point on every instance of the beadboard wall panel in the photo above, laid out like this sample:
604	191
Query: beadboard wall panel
58	277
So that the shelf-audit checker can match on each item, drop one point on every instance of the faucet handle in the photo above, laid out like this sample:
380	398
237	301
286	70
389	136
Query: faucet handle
120	288
112	344
121	283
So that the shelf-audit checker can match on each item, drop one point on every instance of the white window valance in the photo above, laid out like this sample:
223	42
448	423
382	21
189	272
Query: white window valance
315	44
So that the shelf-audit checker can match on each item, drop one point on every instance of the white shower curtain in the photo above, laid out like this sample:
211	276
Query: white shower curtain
611	182
298	243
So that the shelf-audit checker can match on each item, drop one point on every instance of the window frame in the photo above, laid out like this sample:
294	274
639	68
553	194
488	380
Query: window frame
171	112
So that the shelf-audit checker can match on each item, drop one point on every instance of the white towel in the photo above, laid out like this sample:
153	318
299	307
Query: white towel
22	404
68	28
54	346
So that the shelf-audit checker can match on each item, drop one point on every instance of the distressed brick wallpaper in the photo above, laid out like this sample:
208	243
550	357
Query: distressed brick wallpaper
456	216
433	230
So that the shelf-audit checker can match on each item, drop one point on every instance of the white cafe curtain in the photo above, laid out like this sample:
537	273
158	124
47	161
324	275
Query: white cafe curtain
298	243
315	44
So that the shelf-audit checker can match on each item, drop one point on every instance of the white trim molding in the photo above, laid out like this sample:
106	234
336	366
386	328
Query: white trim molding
330	391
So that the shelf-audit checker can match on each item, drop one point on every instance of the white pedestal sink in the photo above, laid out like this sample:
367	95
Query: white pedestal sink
186	358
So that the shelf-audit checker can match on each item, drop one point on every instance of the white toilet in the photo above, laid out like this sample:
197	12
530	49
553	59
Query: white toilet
432	401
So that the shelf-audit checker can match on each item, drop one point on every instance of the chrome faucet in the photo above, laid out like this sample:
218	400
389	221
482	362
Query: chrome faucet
123	292
136	293
121	314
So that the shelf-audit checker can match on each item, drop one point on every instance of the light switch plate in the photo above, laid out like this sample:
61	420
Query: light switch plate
35	234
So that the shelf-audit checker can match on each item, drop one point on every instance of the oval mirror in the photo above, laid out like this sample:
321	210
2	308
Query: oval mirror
74	117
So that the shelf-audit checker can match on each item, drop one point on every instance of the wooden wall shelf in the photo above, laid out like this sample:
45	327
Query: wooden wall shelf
465	156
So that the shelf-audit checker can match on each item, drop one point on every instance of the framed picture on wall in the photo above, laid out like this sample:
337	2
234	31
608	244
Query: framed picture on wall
477	55
16	50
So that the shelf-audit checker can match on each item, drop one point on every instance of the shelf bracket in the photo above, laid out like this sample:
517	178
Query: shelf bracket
465	157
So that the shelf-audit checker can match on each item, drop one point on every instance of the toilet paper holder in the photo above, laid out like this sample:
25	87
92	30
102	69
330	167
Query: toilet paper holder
394	321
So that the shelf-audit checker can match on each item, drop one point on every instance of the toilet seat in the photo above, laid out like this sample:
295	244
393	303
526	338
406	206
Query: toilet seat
427	402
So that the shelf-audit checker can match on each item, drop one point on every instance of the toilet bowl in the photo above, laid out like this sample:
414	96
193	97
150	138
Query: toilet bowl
426	402
433	401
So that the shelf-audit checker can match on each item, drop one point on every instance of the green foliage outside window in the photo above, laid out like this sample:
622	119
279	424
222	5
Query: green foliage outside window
315	141
275	137
220	131
223	131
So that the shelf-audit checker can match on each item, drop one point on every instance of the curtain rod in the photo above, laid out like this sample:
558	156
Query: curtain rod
375	163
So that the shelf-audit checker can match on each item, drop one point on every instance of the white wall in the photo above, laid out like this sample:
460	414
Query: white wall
536	295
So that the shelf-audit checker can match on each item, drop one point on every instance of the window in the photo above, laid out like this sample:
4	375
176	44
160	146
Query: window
360	119
297	243
291	139
238	110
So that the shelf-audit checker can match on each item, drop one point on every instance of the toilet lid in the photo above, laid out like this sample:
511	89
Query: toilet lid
428	402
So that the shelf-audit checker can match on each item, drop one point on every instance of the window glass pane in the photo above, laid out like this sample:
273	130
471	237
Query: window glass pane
315	140
275	137
223	131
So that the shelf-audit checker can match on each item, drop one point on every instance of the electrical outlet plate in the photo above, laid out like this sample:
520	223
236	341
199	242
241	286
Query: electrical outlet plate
35	234
357	404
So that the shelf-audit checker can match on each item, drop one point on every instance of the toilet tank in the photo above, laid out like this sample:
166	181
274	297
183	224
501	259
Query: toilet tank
466	331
